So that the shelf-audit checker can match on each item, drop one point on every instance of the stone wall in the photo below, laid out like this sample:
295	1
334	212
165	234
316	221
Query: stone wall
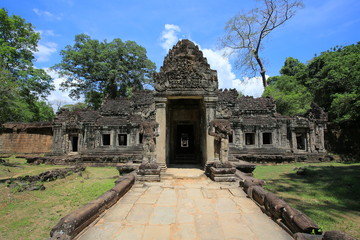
26	138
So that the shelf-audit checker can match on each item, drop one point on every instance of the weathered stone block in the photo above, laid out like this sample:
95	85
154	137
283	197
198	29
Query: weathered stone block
336	235
222	170
149	171
245	184
222	174
257	193
224	178
274	205
148	178
244	166
127	168
306	236
297	221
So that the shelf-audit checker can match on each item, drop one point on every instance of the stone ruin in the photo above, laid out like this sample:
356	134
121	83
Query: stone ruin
186	120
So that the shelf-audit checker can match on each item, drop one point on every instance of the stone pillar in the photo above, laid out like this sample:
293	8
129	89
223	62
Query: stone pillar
210	112
160	104
293	143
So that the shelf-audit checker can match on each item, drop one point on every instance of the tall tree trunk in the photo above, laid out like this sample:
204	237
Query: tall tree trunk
263	76
262	69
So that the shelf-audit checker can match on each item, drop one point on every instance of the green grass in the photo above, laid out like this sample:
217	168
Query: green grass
329	193
31	215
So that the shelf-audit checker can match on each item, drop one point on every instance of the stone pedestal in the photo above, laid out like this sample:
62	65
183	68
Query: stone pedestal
149	172
223	174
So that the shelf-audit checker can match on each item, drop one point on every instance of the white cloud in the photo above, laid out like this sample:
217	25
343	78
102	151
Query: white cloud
45	50
227	78
47	33
58	97
169	36
46	14
219	62
249	86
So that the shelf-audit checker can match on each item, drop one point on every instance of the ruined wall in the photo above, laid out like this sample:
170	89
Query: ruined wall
26	141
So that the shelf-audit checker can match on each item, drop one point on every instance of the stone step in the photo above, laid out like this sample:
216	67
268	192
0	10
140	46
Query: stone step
183	173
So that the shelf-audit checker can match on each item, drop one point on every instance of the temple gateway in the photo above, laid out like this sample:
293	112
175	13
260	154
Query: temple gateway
187	120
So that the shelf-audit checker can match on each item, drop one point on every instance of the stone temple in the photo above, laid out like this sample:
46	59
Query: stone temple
186	120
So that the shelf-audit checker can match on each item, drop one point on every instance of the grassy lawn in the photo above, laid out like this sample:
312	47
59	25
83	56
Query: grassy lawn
32	214
329	193
22	168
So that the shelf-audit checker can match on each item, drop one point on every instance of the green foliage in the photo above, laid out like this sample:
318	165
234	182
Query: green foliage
291	97
14	107
331	80
75	107
22	84
293	67
18	42
99	70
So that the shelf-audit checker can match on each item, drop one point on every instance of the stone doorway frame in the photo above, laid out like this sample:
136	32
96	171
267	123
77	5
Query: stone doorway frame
208	108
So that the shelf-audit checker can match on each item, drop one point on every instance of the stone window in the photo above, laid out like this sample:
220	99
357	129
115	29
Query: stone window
250	138
267	138
106	139
122	139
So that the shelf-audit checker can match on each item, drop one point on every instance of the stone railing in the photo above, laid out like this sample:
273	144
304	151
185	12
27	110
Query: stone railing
71	225
295	222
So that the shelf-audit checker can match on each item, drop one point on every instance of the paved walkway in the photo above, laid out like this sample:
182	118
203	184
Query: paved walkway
184	209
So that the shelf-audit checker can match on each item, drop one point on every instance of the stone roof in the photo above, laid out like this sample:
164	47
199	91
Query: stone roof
79	116
143	98
118	106
111	121
255	104
259	120
227	96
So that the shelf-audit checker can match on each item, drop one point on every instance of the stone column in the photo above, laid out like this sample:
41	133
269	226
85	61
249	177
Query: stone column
160	104
210	113
293	143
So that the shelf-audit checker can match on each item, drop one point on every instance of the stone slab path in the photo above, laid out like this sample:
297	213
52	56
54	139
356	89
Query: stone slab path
184	209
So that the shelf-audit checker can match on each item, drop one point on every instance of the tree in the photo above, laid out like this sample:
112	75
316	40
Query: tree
333	78
291	97
246	31
74	107
288	90
293	67
23	87
98	70
18	42
16	108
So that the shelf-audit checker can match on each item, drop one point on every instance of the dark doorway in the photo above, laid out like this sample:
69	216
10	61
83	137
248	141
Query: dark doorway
184	144
74	143
301	141
185	131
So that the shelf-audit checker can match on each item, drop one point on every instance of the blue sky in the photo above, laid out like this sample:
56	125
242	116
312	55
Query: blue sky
158	24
